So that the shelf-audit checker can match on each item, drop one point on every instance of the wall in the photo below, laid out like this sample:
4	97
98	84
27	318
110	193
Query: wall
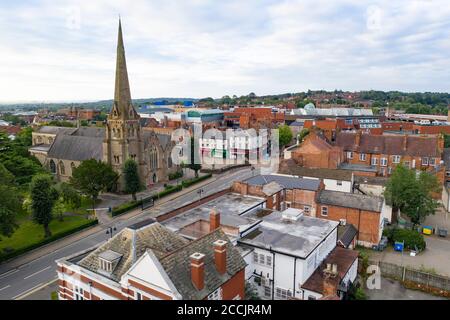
331	184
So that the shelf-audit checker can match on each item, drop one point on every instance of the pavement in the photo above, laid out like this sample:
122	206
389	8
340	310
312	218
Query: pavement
31	272
394	290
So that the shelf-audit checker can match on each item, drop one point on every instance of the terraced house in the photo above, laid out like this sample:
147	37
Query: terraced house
147	261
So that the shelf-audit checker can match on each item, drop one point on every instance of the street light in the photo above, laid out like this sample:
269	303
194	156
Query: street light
110	231
200	191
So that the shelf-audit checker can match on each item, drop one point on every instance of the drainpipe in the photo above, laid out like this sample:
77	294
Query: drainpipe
295	271
273	273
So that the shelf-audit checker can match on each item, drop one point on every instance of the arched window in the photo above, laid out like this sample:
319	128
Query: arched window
155	179
62	169
52	166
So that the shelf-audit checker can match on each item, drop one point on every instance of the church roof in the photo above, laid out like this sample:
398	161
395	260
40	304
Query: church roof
77	148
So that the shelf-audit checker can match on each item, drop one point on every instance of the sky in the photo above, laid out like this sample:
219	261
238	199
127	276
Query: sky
64	50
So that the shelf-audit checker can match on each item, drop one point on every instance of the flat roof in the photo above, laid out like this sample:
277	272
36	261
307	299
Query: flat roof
298	238
230	206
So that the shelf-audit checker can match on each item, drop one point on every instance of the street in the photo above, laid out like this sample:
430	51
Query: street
16	282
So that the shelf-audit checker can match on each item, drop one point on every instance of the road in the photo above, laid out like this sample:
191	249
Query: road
20	281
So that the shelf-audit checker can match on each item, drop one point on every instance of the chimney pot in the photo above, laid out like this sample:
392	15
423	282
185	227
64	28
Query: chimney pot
214	220
220	256
198	270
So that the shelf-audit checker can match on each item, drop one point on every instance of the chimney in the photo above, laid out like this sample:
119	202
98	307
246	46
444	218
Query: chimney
214	220
220	256
198	270
358	138
405	142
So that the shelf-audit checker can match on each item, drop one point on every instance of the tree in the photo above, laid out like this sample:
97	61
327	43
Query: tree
10	202
302	134
43	197
191	162
285	135
69	195
92	177
412	194
131	176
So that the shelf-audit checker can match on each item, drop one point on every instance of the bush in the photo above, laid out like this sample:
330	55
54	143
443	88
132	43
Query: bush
190	182
52	238
125	207
175	175
412	238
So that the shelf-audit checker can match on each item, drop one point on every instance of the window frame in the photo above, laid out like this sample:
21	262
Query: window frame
322	211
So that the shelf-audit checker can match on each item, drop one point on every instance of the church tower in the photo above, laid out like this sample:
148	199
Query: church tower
123	138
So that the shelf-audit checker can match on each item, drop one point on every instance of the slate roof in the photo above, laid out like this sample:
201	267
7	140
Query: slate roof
292	168
413	145
344	258
177	266
350	200
55	130
155	237
346	234
284	181
77	148
89	132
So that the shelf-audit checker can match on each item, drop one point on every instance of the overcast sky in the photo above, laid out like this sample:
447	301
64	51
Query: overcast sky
63	50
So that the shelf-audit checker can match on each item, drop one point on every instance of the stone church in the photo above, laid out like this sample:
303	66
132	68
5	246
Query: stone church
62	149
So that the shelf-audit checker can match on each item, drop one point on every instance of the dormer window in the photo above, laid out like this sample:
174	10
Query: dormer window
108	261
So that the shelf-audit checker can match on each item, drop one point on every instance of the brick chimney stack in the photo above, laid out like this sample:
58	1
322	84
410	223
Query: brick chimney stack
214	220
220	256
329	287
358	139
198	270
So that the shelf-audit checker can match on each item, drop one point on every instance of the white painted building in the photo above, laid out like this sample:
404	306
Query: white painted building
286	249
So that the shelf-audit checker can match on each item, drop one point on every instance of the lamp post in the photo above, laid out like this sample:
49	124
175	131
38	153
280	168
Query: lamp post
110	231
200	191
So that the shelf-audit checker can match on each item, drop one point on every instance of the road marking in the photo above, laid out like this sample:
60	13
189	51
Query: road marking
5	287
25	292
8	273
36	273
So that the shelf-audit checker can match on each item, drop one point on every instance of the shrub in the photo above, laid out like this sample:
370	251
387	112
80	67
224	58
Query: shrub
175	175
412	238
125	207
190	182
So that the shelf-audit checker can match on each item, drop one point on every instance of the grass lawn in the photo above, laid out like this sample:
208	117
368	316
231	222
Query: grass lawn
30	233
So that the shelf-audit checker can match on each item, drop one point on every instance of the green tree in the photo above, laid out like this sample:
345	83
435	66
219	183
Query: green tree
412	194
92	177
69	195
302	134
43	197
131	176
285	135
10	202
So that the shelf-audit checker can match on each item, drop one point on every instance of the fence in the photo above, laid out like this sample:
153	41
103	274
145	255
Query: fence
406	274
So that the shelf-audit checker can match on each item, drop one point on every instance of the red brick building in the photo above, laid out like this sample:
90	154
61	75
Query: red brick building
149	262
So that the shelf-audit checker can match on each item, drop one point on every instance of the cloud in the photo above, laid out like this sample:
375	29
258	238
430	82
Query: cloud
65	50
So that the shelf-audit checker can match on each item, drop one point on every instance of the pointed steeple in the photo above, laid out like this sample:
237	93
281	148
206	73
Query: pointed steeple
122	95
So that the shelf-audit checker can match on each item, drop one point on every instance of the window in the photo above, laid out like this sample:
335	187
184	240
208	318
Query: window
349	155
282	294
324	211
425	161
267	291
374	161
216	295
396	159
339	183
389	170
138	296
407	164
79	293
307	209
432	161
269	261
383	162
255	257
348	121
105	265
362	157
261	258
52	166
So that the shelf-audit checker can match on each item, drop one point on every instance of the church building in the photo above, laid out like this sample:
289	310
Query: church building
63	149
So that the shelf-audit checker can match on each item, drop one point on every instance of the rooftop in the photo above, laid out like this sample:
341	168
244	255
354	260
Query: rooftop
285	181
294	237
350	200
292	168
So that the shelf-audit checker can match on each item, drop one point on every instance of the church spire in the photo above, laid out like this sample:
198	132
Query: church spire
122	95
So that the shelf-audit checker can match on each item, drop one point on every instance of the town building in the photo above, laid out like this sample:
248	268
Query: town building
146	261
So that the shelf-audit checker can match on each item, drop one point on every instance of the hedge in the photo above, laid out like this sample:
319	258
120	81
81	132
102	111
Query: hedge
168	190
45	241
190	182
175	175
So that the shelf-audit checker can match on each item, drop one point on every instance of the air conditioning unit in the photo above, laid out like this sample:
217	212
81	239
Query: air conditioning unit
342	222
